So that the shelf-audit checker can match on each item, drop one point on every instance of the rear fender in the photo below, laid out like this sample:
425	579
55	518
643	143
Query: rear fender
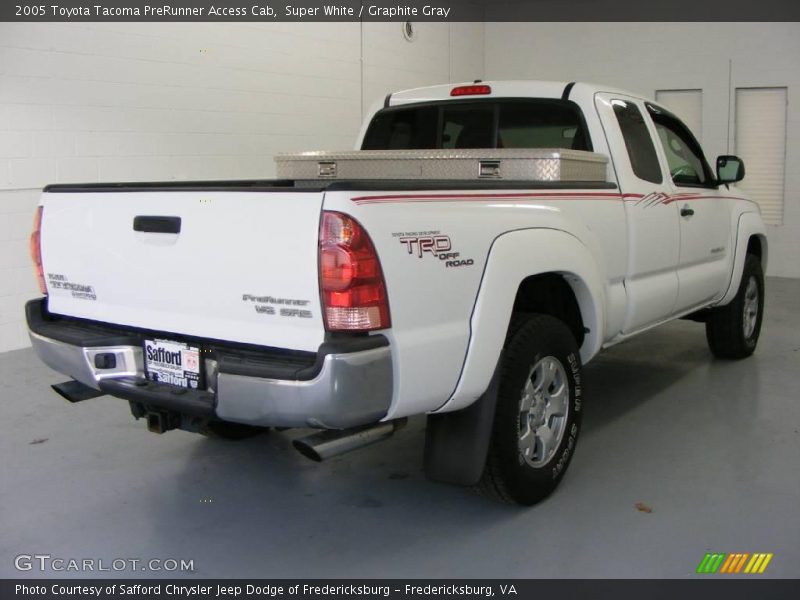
513	257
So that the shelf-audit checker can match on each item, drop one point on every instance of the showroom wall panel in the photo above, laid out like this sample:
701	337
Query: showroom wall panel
716	58
687	106
160	101
761	142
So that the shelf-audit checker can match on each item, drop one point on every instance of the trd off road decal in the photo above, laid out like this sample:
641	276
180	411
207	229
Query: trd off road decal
59	284
282	307
433	243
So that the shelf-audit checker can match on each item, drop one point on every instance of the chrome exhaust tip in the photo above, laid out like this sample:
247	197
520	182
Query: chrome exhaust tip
75	391
333	442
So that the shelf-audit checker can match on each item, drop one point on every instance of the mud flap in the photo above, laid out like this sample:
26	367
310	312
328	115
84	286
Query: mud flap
457	443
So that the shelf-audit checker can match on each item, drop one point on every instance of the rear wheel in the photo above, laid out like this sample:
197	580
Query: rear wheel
538	414
732	330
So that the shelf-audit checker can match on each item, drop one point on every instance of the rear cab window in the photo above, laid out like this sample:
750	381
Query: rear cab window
638	143
504	123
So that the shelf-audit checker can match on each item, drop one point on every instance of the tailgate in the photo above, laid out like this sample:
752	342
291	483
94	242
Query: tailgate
243	267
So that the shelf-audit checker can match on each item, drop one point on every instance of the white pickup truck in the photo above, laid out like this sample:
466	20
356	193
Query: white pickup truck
483	242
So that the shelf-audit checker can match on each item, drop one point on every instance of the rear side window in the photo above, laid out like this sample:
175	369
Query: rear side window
539	123
638	142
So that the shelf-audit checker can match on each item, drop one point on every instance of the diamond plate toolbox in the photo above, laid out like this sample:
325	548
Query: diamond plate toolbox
507	164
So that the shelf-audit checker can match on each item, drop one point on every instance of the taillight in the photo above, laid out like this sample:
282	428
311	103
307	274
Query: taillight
36	249
471	90
350	277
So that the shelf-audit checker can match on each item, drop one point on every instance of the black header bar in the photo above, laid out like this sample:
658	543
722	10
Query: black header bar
372	589
398	10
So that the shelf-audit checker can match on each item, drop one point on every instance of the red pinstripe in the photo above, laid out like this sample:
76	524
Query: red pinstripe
402	198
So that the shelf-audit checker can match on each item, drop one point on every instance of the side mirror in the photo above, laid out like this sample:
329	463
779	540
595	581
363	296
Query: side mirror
730	169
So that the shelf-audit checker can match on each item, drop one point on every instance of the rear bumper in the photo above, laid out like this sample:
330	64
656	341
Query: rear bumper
347	383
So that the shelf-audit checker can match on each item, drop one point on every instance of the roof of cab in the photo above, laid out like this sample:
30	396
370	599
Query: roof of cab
501	89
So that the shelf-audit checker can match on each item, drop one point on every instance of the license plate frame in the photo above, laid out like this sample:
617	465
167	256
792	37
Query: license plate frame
173	363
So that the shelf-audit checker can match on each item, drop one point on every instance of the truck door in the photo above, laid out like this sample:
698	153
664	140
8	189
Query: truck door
703	213
651	281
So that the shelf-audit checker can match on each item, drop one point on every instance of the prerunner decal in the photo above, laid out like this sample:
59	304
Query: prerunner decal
282	307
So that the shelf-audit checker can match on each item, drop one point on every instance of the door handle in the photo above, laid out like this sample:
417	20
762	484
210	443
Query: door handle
686	211
157	224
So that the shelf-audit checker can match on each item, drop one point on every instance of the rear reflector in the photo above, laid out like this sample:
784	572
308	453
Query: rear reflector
36	249
471	90
351	281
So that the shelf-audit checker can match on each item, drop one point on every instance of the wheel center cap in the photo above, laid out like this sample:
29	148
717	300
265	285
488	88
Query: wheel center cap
537	411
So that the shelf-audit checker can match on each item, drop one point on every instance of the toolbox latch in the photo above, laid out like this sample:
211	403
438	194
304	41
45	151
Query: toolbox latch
489	169
326	168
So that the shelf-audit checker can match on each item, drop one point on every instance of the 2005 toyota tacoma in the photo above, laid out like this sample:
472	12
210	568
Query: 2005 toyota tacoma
483	242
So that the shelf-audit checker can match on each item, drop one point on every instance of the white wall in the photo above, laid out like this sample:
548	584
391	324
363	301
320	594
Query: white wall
644	57
135	101
390	66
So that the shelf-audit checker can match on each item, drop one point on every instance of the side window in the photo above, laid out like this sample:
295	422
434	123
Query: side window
638	142
687	166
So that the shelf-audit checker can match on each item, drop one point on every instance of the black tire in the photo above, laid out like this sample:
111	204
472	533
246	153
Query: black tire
227	430
508	475
726	326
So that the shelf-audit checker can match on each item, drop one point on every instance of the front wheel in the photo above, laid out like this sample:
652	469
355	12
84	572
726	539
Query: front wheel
732	330
538	413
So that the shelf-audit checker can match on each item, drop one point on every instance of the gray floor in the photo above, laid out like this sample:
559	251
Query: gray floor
712	447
